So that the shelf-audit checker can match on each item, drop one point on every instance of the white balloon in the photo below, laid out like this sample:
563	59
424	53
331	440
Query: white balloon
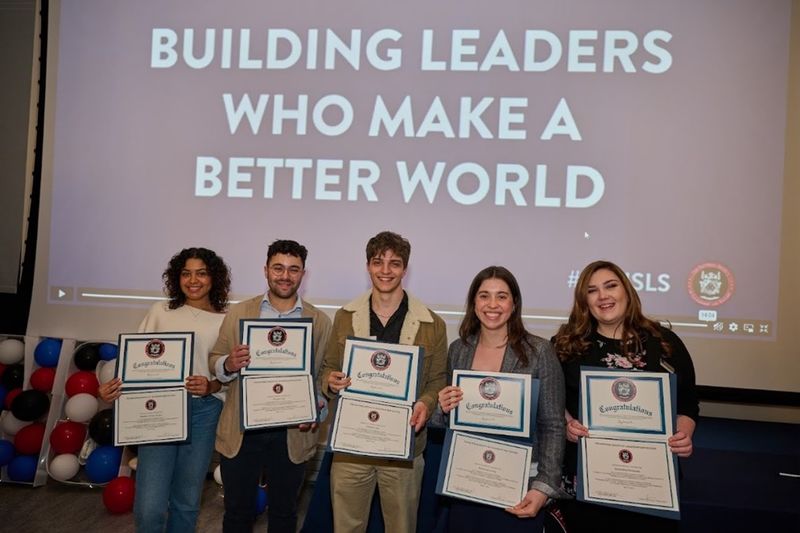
11	424
105	371
81	407
64	467
11	351
218	475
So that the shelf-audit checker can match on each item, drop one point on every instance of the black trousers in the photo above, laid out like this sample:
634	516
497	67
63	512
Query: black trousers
262	450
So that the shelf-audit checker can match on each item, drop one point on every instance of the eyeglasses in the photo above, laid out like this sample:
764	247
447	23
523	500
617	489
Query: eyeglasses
280	270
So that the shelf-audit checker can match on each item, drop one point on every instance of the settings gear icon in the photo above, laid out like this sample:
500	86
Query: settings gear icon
733	326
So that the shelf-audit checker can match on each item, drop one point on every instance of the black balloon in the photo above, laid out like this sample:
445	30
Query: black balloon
30	405
101	428
13	376
87	356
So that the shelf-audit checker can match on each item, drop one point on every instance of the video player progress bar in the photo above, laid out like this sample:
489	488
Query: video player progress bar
335	307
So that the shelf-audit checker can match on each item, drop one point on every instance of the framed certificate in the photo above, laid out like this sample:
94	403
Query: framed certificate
151	416
634	474
484	469
277	400
626	461
281	345
376	429
381	371
494	402
154	359
633	403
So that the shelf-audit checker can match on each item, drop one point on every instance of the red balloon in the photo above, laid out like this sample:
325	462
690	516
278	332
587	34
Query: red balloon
2	368
28	440
43	379
118	495
82	381
67	437
13	393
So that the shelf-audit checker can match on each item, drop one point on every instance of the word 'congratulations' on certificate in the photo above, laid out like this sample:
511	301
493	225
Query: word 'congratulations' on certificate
153	406
374	411
277	387
626	461
493	402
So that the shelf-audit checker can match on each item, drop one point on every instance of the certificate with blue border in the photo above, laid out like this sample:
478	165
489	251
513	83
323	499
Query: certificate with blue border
626	461
277	400
616	403
148	360
493	402
485	470
152	416
381	371
372	428
277	345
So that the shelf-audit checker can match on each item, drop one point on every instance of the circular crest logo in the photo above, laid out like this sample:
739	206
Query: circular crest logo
373	416
154	349
711	284
150	405
488	456
623	390
277	388
489	389
380	360
276	336
625	456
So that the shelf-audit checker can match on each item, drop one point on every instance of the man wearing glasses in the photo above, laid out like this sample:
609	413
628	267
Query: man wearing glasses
280	452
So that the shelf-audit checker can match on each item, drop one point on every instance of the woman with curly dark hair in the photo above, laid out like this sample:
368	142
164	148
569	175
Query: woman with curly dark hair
607	329
169	477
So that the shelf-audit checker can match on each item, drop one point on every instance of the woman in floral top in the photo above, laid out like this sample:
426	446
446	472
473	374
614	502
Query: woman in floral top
606	329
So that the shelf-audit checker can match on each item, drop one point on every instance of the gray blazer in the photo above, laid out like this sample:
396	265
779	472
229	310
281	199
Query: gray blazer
548	440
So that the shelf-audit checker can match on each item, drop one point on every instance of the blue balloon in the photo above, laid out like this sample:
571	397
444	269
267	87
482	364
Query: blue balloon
47	352
6	452
3	392
22	468
108	352
103	464
261	500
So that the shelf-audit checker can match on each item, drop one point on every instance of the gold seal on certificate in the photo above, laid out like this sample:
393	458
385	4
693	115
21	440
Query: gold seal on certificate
373	415
626	460
484	470
494	402
153	406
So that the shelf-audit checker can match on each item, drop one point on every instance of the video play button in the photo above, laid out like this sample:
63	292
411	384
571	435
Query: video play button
61	293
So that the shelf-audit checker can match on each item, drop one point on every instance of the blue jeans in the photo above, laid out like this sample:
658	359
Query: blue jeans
169	477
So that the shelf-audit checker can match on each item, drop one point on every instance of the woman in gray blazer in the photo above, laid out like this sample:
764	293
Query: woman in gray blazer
493	338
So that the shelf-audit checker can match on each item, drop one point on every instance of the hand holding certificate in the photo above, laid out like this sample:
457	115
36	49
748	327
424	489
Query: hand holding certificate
494	402
484	470
153	405
374	413
277	387
626	460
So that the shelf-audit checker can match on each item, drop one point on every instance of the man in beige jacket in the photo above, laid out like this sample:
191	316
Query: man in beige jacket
280	452
389	314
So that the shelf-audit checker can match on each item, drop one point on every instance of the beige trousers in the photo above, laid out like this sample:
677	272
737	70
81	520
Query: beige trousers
353	481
